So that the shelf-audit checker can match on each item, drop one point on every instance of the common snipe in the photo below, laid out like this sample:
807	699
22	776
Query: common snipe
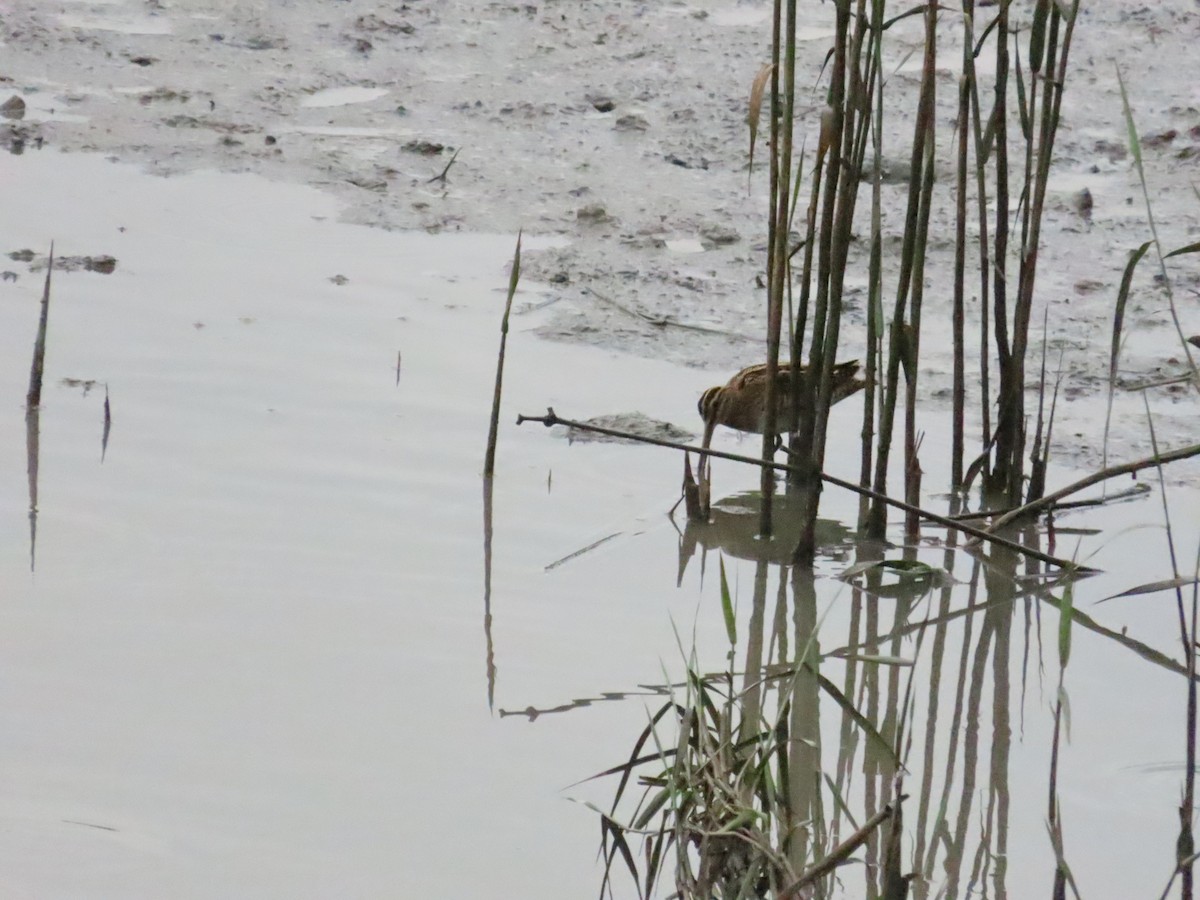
741	403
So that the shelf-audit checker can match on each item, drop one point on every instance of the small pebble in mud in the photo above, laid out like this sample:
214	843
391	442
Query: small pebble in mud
269	140
601	103
686	163
593	212
13	108
1083	203
424	148
718	235
1161	139
105	265
1114	152
632	122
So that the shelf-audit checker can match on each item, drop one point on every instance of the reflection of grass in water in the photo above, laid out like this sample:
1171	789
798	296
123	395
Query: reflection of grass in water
731	786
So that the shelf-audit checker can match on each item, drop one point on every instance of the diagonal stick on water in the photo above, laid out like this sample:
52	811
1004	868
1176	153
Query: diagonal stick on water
552	418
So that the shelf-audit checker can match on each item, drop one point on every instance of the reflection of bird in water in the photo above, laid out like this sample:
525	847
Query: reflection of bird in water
741	403
732	529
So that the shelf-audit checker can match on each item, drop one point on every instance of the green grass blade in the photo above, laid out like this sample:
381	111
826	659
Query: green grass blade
727	606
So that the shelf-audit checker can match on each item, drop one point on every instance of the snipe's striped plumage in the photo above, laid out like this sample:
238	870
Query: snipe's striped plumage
741	402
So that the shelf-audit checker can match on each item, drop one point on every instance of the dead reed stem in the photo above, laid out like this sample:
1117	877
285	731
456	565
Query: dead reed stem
514	276
33	398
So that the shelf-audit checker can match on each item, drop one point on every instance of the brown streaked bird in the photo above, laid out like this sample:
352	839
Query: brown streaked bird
741	402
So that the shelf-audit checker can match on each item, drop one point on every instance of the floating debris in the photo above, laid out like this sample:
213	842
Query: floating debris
83	384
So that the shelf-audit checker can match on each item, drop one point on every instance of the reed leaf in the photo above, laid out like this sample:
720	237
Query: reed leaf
727	607
753	113
1153	587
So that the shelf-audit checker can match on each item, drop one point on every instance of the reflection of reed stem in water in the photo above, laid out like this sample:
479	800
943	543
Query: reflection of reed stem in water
32	424
487	591
34	396
107	425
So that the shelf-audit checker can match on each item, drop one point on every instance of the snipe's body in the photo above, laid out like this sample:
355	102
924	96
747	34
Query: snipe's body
741	403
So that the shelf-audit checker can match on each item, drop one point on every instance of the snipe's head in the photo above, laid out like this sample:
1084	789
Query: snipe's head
846	381
709	404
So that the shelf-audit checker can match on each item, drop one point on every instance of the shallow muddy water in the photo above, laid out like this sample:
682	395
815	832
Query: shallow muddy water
253	655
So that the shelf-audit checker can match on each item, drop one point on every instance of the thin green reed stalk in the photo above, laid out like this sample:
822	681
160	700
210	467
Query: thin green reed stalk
902	343
960	263
982	153
1058	54
927	127
1045	33
840	128
875	266
783	43
1007	420
851	148
1185	844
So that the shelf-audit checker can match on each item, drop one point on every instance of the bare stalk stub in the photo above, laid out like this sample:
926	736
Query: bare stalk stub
33	397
